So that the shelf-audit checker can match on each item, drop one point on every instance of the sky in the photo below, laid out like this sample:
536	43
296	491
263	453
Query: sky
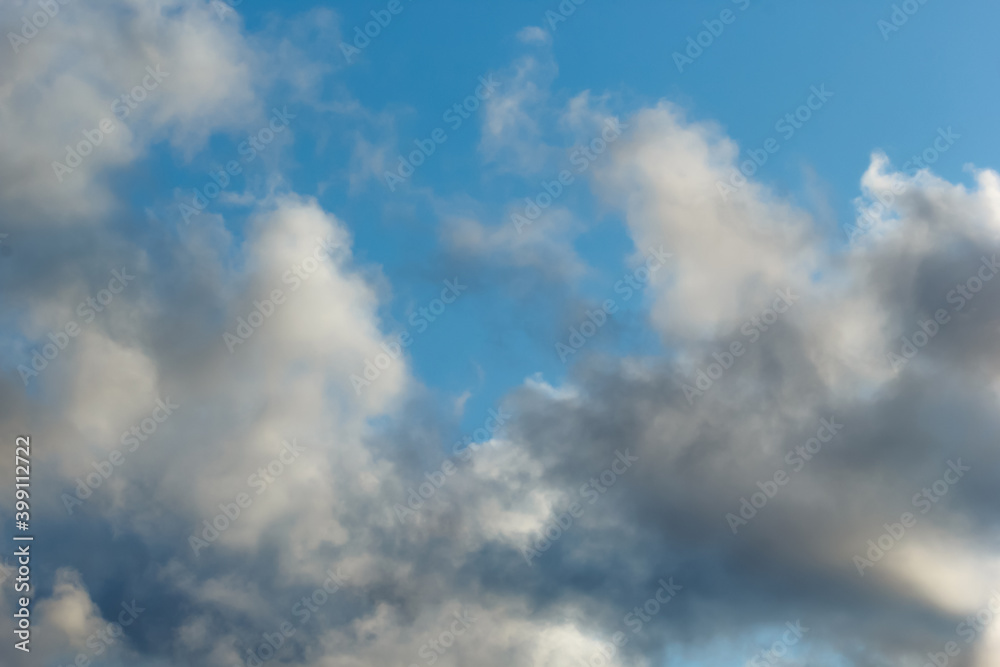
419	332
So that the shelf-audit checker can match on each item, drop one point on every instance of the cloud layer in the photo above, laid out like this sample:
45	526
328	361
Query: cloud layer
809	395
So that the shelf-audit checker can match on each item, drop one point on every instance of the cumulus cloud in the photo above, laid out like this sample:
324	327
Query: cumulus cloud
152	71
269	496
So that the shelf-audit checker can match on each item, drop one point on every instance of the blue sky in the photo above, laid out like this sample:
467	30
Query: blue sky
640	311
760	68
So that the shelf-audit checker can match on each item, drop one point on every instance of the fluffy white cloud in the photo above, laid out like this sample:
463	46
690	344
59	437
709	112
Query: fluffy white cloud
256	333
170	71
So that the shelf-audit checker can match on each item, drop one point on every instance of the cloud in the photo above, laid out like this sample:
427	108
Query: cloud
89	65
512	136
287	470
545	246
532	34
